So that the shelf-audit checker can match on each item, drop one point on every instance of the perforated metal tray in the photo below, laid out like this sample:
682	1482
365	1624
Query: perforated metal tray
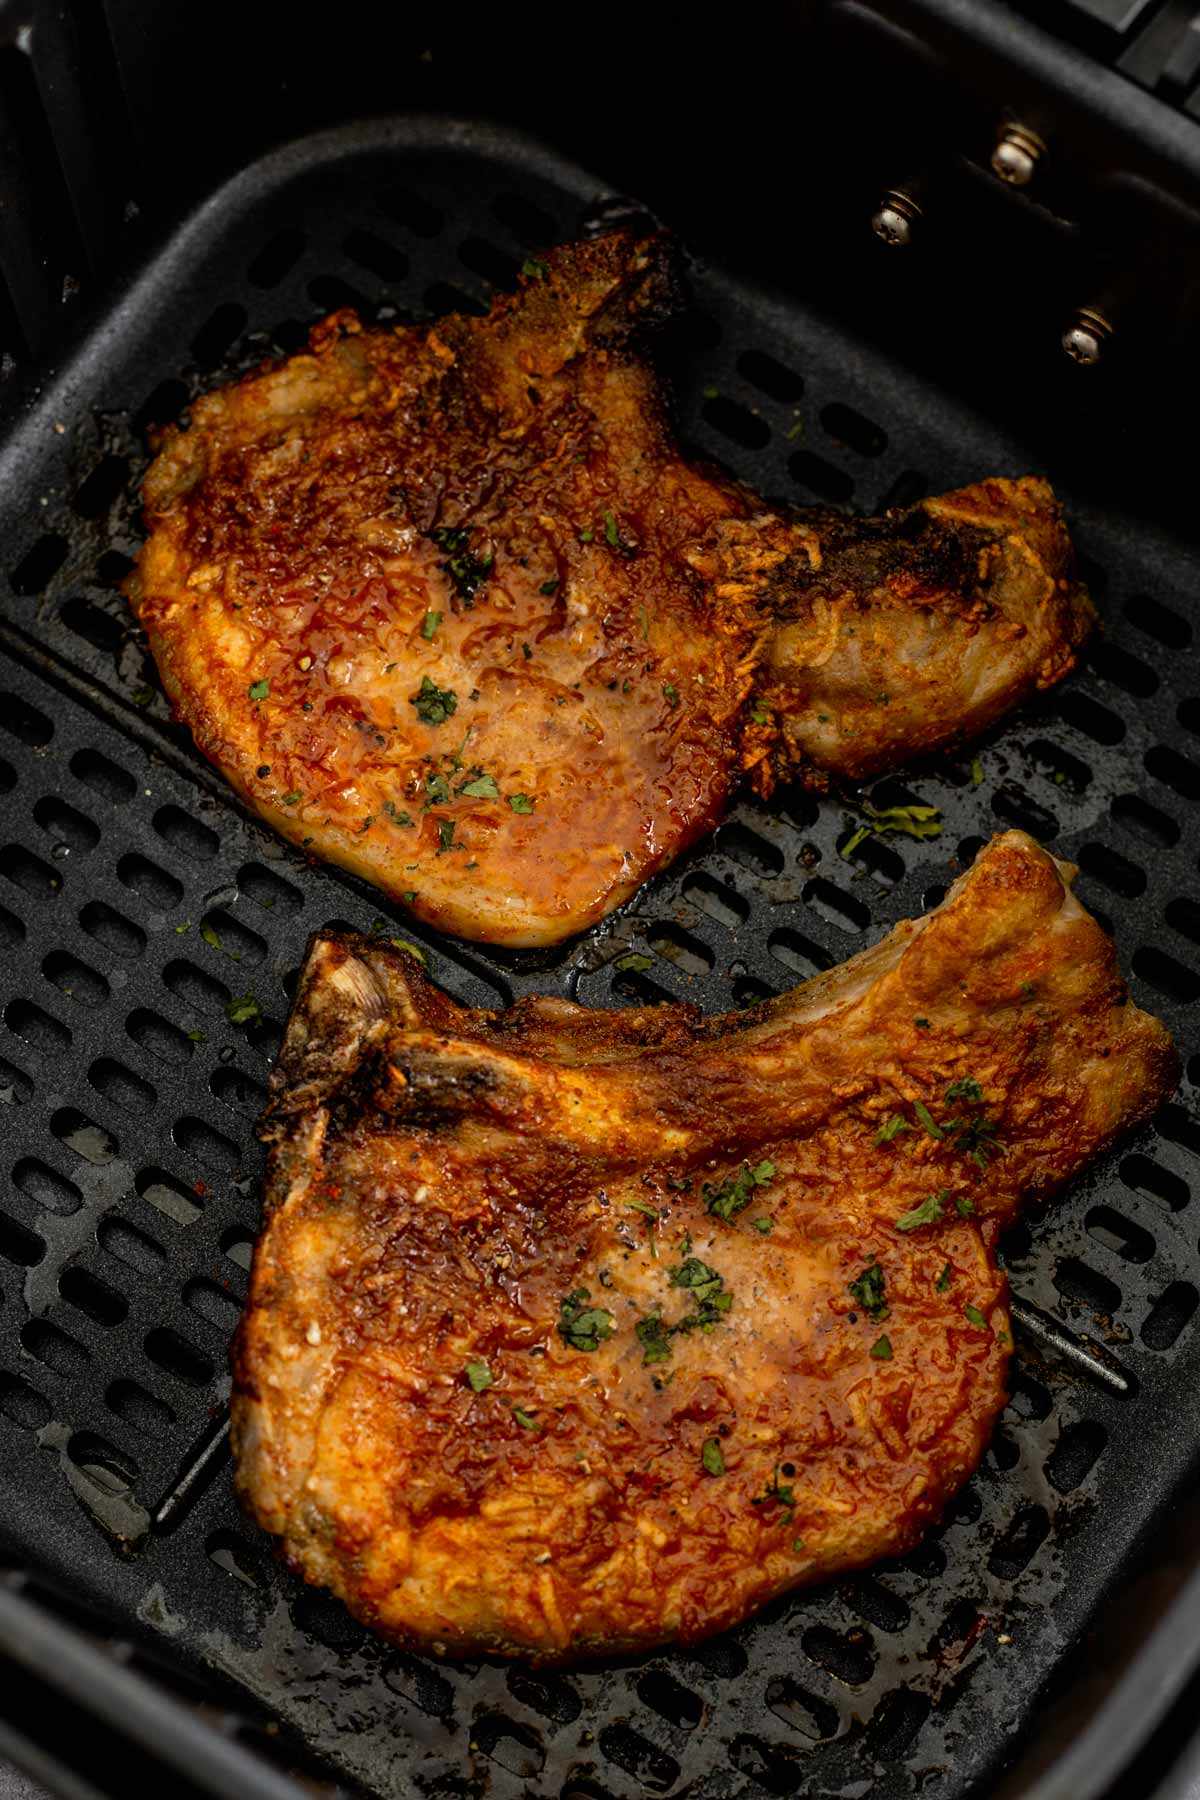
137	900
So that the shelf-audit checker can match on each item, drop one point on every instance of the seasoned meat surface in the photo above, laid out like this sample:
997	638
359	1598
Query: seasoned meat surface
448	606
574	1332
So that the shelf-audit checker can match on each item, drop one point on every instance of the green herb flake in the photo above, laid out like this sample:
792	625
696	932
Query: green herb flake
655	1339
944	1279
975	1317
759	713
643	1206
397	817
467	572
521	803
892	1129
535	268
966	1089
142	696
728	1197
927	1213
547	587
292	797
430	624
712	1457
634	963
585	537
611	535
526	1420
921	1024
445	829
186	926
483	787
403	943
670	694
881	1349
437	791
914	821
797	1546
763	1226
976	772
434	704
478	1376
581	1326
245	1010
964	1206
258	690
868	1291
926	1120
197	1036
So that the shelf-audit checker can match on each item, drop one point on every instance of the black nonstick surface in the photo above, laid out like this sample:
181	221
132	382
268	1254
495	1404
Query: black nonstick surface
137	901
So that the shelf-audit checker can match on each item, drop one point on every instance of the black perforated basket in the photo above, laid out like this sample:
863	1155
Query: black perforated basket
137	901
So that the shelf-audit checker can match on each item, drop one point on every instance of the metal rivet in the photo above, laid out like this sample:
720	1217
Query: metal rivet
1017	154
1086	336
895	219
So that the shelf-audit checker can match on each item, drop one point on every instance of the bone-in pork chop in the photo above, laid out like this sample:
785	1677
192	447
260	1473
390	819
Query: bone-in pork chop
575	1331
448	606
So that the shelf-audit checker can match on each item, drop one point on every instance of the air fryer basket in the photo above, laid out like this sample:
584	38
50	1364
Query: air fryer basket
137	901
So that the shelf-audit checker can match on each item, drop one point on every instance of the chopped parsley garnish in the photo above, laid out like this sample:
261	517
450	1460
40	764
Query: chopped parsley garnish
944	1279
915	821
467	572
759	713
977	1139
478	1376
483	787
709	1293
927	1213
535	268
634	963
430	624
547	587
197	1036
434	704
966	1089
446	842
764	1225
892	1129
712	1457
782	1493
975	1317
243	1011
868	1291
398	818
583	1327
209	934
258	690
292	797
611	535
797	1546
670	693
976	772
731	1195
526	1420
643	1206
964	1207
926	1120
521	803
921	1024
655	1339
403	943
881	1349
437	791
585	537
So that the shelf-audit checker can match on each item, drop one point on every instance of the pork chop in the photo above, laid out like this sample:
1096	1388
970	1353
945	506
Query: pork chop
447	606
574	1332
